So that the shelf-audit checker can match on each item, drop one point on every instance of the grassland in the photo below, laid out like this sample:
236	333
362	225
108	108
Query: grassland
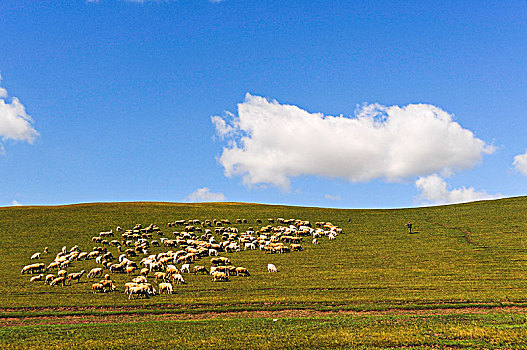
459	281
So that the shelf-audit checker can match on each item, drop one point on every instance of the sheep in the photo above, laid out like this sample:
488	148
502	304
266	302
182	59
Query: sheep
213	252
64	250
129	285
200	269
178	278
171	269
96	271
315	241
331	236
144	271
46	250
37	267
139	279
219	276
138	290
249	246
160	275
108	285
62	273
49	278
296	247
165	287
35	256
98	287
58	280
76	276
130	269
185	268
271	268
37	278
242	271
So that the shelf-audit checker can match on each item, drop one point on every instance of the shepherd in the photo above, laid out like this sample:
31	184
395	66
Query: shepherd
408	225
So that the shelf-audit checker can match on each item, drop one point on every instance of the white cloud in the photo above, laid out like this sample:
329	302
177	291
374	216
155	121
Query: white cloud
204	195
268	143
15	123
520	163
332	198
15	203
435	190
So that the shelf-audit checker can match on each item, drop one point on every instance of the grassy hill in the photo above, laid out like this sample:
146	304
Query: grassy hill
462	255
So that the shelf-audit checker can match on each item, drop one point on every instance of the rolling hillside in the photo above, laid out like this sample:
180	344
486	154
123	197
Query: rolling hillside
458	281
472	252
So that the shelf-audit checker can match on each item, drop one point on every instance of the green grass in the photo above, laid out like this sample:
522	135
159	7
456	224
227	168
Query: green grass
491	331
462	255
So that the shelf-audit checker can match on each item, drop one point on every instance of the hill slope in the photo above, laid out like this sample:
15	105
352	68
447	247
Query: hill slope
472	252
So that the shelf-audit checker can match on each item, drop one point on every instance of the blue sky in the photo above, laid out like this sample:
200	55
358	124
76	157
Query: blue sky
199	100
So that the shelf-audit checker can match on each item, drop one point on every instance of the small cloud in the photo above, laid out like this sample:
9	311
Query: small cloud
520	163
15	203
332	198
205	195
435	190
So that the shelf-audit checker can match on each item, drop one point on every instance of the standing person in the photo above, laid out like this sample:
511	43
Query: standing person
409	227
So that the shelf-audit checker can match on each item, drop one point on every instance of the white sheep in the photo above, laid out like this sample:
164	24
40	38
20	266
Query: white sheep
185	268
37	278
271	268
213	252
165	287
35	256
178	279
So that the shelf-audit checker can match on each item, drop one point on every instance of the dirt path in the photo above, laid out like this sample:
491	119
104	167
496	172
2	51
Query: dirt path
292	313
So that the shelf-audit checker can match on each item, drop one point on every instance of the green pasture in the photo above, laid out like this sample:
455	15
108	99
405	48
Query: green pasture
486	331
471	254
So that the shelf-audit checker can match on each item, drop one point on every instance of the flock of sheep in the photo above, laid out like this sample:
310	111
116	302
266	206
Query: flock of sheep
193	241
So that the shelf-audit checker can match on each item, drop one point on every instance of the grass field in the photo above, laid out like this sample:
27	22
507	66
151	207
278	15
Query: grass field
459	281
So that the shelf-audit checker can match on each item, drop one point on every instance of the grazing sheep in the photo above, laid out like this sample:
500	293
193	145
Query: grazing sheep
37	278
315	241
58	280
33	268
139	279
185	268
201	269
219	276
213	252
160	275
98	288
171	269
165	287
271	268
62	273
108	285
178	278
296	247
242	271
144	271
35	256
96	271
49	278
76	276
